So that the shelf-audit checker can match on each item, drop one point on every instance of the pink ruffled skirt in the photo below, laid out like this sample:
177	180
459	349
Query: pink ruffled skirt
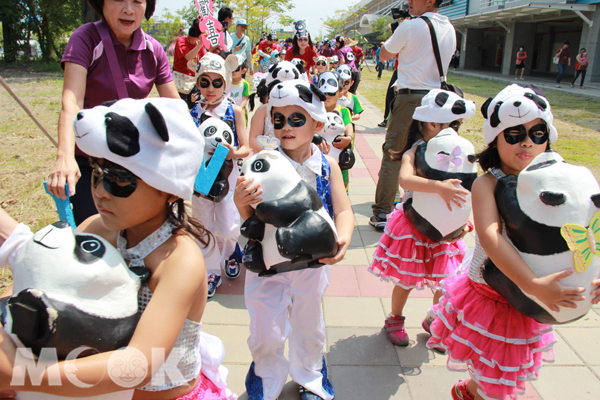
409	259
205	390
500	347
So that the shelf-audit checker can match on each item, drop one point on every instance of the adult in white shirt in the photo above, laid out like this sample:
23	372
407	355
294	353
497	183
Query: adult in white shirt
242	45
417	74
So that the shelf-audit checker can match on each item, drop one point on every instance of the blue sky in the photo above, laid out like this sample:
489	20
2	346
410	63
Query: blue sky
311	10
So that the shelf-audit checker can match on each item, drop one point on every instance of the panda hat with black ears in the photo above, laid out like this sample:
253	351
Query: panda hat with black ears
442	106
298	93
154	138
513	106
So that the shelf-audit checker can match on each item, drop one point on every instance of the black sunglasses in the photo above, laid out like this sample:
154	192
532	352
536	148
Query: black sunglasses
295	120
516	134
321	63
116	180
455	125
216	83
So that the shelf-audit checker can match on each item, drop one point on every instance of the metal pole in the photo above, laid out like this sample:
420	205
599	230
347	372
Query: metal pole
24	107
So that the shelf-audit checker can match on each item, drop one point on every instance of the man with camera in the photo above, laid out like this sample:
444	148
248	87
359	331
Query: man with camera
417	74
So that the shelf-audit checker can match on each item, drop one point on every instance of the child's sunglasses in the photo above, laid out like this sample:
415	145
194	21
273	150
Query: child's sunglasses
117	181
295	120
216	83
516	134
321	64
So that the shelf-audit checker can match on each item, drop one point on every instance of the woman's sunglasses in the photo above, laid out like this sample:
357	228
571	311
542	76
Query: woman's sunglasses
516	134
295	120
216	83
117	181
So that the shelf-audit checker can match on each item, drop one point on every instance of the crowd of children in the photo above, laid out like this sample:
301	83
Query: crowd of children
142	213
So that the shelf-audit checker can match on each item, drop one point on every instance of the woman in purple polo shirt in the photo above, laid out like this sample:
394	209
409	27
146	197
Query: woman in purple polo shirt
88	82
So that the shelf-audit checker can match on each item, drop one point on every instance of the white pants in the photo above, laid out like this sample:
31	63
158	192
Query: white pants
222	219
288	305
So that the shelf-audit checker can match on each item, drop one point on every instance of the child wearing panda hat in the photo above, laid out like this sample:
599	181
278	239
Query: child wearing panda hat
261	124
221	218
145	155
482	333
405	256
293	299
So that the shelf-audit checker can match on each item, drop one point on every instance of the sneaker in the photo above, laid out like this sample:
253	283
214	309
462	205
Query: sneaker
426	324
382	124
378	221
232	269
460	392
214	281
557	85
306	394
394	327
572	86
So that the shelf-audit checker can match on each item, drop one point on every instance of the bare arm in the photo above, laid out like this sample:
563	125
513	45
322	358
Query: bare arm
343	216
488	227
168	90
7	225
65	169
446	189
243	149
257	127
194	52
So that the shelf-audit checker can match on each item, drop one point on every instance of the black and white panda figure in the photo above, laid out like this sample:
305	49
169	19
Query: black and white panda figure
333	129
549	208
290	230
301	67
300	26
283	71
215	132
445	156
71	290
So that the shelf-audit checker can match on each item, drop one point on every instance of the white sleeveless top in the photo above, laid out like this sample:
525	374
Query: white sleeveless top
193	351
479	255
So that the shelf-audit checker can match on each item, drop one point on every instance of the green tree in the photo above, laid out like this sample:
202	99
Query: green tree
381	26
261	14
164	28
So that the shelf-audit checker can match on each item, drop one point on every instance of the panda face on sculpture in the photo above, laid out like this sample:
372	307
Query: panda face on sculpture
283	71
215	132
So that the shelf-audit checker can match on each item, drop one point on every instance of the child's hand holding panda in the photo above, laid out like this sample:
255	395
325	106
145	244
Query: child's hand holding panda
342	142
247	192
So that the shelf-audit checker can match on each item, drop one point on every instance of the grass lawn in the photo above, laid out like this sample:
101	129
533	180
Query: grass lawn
576	118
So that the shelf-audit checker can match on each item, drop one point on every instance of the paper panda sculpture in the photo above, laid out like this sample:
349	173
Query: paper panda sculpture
70	290
300	25
215	132
290	230
282	71
551	211
345	71
445	156
333	129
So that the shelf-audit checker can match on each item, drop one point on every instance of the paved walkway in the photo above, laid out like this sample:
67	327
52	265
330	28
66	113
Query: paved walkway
363	364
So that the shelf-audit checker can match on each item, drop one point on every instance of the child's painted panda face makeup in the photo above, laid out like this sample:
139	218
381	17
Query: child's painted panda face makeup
295	120
514	157
294	127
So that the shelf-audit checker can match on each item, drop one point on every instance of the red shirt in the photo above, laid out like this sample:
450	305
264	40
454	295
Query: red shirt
358	53
267	48
308	57
182	47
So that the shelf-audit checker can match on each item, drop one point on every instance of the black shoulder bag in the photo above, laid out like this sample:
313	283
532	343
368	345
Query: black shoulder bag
438	59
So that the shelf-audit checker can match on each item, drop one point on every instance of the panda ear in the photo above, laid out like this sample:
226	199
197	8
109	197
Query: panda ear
231	62
157	121
272	84
272	68
305	93
229	123
109	103
494	118
204	116
300	68
596	199
318	92
441	98
484	107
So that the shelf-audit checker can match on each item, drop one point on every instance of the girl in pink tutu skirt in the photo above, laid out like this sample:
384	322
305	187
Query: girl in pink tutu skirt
482	333
405	256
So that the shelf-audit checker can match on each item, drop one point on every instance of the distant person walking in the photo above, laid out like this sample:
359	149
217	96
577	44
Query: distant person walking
564	61
379	66
581	64
521	57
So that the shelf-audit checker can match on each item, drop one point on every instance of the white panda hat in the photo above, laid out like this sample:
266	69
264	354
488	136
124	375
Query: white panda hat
282	71
154	138
329	82
515	105
442	106
298	93
345	72
214	63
